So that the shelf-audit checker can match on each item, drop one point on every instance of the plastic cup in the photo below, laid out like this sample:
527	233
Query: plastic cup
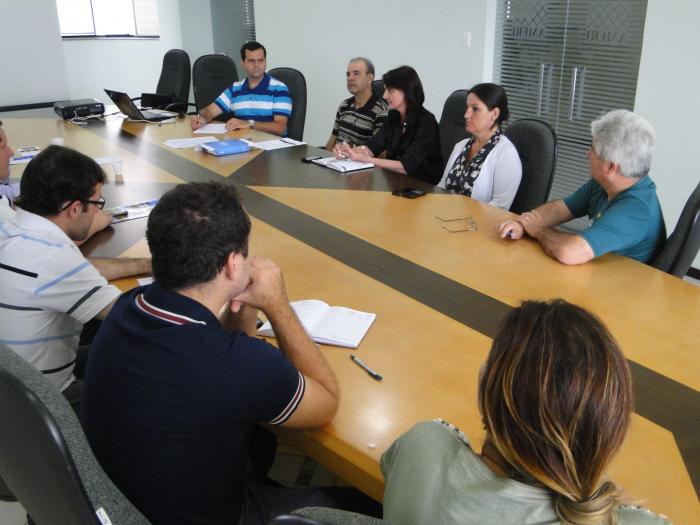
117	168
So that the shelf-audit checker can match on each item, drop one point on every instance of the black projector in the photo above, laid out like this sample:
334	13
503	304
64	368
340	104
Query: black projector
68	109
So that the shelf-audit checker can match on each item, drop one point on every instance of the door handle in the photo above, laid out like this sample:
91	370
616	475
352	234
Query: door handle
545	69
539	90
572	91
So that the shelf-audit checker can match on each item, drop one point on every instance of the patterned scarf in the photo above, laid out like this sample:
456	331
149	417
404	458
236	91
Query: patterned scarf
463	173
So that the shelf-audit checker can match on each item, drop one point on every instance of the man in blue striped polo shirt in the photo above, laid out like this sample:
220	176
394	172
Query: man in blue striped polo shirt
258	102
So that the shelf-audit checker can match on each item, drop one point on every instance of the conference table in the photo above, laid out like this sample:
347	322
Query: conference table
438	295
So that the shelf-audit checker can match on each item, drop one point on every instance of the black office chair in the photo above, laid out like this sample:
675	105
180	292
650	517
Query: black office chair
378	88
296	83
452	124
324	516
173	89
537	147
211	75
44	456
681	247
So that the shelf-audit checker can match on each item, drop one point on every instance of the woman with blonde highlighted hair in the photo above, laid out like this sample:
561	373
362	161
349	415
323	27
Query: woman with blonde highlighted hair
555	395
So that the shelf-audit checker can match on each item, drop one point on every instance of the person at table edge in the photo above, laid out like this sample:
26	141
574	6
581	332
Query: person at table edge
257	102
620	199
50	289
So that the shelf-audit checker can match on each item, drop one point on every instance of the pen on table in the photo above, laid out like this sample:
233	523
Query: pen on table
359	362
288	141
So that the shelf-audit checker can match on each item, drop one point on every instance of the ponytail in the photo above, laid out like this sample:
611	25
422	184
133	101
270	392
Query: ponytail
598	509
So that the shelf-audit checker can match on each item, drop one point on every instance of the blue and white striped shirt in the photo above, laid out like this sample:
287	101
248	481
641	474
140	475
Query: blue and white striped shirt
269	98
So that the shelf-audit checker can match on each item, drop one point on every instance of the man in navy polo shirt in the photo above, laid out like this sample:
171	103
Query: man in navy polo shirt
257	102
177	382
620	199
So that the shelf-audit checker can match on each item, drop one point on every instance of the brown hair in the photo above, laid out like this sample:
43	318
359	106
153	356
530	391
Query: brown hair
556	397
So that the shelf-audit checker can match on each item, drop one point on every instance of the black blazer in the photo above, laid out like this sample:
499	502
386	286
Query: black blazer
418	148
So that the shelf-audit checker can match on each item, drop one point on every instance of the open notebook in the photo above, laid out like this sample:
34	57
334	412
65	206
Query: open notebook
331	325
343	165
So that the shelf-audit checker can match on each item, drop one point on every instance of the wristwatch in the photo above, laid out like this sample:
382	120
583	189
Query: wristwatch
251	124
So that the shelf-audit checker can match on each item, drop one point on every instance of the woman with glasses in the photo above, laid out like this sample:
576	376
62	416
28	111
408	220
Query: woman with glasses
555	395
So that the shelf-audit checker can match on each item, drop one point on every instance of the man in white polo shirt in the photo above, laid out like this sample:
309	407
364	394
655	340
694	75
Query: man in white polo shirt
49	289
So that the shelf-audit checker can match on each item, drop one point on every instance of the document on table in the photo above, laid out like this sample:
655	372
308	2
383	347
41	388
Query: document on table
107	160
132	211
189	142
266	145
217	128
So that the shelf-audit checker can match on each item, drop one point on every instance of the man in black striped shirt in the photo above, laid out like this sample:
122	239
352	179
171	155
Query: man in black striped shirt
360	116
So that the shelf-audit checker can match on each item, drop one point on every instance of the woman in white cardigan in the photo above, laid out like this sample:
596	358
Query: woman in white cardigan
485	166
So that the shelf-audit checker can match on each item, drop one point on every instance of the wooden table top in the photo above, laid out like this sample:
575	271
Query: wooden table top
438	297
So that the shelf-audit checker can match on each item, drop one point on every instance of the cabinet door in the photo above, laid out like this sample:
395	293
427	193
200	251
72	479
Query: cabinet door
528	55
602	48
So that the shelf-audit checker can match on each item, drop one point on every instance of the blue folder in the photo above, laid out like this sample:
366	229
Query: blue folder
226	147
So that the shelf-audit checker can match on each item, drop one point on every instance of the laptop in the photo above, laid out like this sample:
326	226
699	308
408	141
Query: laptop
127	106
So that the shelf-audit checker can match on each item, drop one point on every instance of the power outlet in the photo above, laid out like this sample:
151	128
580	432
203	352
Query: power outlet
467	39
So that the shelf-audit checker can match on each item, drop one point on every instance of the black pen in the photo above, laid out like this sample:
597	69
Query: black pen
359	362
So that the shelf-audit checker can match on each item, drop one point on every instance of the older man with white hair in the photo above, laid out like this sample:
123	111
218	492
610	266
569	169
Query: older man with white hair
619	199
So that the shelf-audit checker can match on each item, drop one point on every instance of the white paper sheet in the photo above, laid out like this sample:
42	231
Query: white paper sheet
267	145
189	142
217	128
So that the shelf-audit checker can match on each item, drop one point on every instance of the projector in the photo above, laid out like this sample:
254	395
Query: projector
68	109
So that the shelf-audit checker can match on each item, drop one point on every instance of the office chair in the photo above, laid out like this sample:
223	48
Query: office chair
211	75
296	83
44	456
173	90
452	124
681	247
5	492
378	88
324	516
537	147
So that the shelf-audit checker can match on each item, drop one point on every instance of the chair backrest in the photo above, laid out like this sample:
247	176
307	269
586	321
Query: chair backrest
537	147
211	75
44	456
681	247
452	124
378	88
296	83
175	76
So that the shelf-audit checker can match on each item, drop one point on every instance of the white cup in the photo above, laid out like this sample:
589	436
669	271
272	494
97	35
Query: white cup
57	141
117	168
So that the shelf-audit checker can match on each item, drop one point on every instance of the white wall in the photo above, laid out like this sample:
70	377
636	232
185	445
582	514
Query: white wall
33	69
667	95
320	37
132	66
196	30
